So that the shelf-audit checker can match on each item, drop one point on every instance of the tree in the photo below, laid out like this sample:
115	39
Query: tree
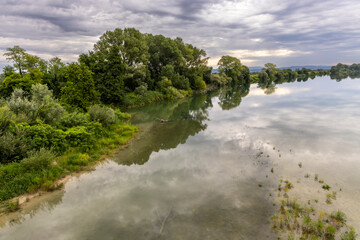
79	90
271	69
116	52
17	55
233	68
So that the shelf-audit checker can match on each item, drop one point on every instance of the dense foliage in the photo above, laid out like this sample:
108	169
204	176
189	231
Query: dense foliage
132	68
35	129
342	71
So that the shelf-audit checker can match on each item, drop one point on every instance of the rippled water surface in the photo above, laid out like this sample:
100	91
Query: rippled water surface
205	173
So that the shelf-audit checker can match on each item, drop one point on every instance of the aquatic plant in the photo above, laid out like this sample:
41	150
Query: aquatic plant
349	235
304	222
300	164
328	198
316	177
326	187
307	175
13	206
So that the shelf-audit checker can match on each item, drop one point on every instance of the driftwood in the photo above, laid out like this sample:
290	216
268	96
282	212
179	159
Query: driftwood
162	120
163	221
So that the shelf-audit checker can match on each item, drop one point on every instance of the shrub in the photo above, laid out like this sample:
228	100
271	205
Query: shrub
45	136
149	97
181	82
13	147
173	93
141	90
50	111
5	117
18	103
164	84
13	206
38	160
130	99
74	119
104	115
79	137
39	93
121	116
220	79
349	235
199	83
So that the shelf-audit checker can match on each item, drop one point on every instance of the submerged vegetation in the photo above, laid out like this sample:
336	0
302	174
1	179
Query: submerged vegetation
305	222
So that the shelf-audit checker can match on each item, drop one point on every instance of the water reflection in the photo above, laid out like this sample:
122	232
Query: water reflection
197	175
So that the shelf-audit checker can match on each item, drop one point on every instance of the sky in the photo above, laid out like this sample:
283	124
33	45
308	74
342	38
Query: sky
286	33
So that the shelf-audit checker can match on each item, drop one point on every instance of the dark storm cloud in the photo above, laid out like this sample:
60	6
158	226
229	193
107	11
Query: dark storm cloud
257	31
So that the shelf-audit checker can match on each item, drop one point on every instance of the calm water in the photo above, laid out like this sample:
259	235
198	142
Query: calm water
197	175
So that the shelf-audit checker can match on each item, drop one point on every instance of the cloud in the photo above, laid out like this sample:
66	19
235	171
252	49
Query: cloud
257	31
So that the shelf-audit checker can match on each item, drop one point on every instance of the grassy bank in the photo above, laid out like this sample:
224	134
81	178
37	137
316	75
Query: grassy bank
41	170
41	140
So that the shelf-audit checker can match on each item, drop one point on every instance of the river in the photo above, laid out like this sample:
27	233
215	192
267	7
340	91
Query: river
205	172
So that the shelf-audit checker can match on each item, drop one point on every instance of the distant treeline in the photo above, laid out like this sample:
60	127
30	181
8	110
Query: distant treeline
270	74
342	71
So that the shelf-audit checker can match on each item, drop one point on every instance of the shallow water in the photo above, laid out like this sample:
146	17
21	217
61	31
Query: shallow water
197	175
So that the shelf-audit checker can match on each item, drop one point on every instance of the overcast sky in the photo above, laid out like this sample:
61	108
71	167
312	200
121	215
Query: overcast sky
306	32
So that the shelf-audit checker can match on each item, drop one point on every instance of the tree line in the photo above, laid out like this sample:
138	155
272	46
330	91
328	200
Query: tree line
343	71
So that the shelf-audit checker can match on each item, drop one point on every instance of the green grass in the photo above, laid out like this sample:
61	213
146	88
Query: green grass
18	178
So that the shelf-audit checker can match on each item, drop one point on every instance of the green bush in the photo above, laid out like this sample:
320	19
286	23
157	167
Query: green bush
95	128
102	114
164	84
141	90
121	116
79	137
130	99
173	93
18	103
50	111
349	235
220	79
181	82
44	136
199	83
5	117
13	206
39	93
74	119
13	147
38	160
41	105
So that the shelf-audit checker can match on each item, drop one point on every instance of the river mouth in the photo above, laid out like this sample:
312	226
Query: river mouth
211	169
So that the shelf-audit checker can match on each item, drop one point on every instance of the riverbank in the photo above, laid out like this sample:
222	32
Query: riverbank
73	163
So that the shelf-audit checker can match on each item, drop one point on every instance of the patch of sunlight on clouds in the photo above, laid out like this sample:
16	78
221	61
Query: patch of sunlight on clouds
212	62
266	53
